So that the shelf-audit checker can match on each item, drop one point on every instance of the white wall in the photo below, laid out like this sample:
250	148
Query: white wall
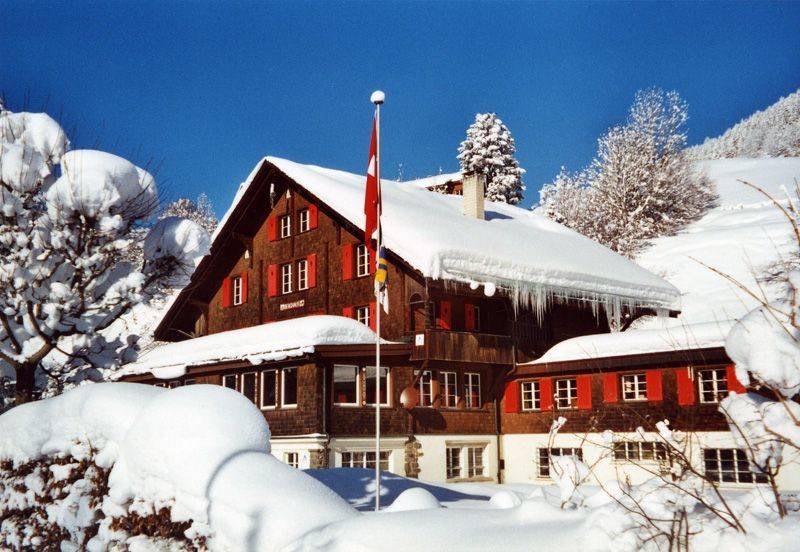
433	461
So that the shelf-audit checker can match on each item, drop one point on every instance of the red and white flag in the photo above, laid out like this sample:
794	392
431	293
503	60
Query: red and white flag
372	197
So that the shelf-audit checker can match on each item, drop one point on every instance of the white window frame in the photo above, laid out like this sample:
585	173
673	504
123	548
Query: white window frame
470	461
639	451
472	380
549	453
261	389
717	378
360	458
634	387
235	381
256	388
452	462
423	392
448	379
362	261
362	315
741	467
357	371
286	226
236	291
475	467
304	220
388	385
284	404
570	387
302	274
286	279
292	459
531	395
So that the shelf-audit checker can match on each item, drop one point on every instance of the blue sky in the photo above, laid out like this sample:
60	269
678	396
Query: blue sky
205	90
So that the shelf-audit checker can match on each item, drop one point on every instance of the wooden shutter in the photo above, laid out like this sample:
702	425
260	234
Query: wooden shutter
655	390
444	318
733	382
469	317
244	287
227	293
511	396
347	312
686	394
611	387
584	392
272	280
372	317
272	228
311	267
313	217
347	261
546	393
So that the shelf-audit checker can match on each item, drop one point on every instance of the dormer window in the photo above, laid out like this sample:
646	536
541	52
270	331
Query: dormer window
362	261
286	226
305	220
236	290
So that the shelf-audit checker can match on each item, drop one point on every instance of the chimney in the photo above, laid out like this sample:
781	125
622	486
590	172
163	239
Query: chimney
472	201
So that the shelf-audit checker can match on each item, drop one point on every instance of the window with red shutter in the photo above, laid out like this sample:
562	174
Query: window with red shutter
685	382
511	396
313	217
347	261
272	228
272	280
611	387
347	312
654	387
244	287
444	316
733	382
546	386
312	270
227	293
584	392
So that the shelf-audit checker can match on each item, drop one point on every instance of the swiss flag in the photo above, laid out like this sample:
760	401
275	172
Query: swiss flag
372	198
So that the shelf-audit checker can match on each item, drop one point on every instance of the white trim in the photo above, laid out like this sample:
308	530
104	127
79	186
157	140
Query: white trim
302	274
388	401
572	393
443	387
357	370
362	254
261	389
304	220
638	378
283	387
236	291
256	388
286	279
468	384
285	229
535	395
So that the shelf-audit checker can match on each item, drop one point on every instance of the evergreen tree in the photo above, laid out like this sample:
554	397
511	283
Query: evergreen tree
489	149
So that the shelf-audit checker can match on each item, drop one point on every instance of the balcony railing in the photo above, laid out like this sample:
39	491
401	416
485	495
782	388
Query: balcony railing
434	344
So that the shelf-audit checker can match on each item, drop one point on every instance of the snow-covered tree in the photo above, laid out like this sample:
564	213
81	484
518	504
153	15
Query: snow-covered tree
200	211
66	220
489	149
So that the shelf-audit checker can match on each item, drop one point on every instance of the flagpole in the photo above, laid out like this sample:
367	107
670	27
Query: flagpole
377	98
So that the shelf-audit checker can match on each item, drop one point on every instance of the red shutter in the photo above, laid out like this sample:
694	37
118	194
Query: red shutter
227	293
372	264
272	280
312	270
444	320
655	390
347	261
512	396
685	386
584	392
610	387
372	317
313	217
733	382
272	228
546	393
244	287
469	317
347	312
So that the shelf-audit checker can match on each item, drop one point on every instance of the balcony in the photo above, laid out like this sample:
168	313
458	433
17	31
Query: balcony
434	344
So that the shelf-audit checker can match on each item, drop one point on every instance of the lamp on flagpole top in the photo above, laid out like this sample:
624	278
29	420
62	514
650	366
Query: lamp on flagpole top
377	97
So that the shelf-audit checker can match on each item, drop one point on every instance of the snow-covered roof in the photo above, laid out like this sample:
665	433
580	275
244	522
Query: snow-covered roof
633	342
527	255
435	180
257	344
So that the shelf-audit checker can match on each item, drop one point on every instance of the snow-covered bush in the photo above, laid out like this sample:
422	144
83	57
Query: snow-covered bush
67	219
639	186
489	149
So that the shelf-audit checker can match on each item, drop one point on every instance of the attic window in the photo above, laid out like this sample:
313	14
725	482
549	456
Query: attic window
236	290
286	226
305	220
362	261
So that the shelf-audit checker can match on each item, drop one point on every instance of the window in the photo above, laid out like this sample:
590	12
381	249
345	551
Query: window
173	384
362	315
464	461
730	466
713	384
476	317
345	385
370	380
229	381
286	226
189	381
291	459
634	387
426	389
566	392
453	462
286	279
249	386
362	261
545	454
531	395
472	389
269	386
289	387
236	286
639	450
302	274
448	389
305	220
364	459
475	462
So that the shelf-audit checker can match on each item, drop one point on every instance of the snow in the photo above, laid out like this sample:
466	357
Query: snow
178	239
257	344
434	181
37	131
532	258
415	498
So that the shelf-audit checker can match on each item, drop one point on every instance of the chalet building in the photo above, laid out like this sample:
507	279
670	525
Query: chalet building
282	310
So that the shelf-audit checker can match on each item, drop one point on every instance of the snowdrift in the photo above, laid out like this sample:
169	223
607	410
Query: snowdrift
118	463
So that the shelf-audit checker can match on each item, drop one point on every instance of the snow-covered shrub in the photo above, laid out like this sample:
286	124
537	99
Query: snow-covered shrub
489	149
67	220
